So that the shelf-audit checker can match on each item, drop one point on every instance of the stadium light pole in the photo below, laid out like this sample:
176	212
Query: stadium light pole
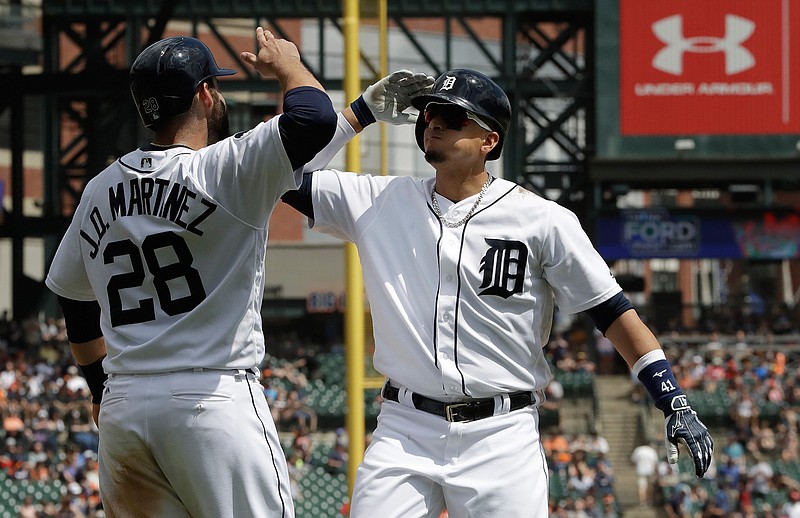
354	290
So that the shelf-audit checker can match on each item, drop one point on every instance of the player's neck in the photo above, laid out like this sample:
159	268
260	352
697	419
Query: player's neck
189	134
457	188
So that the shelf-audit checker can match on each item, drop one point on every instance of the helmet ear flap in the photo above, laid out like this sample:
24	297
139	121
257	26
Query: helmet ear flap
419	130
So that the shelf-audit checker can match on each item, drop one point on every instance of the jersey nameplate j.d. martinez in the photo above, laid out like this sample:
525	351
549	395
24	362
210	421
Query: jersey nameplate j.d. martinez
175	239
158	197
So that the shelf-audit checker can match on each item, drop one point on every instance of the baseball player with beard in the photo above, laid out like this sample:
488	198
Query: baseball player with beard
463	272
160	278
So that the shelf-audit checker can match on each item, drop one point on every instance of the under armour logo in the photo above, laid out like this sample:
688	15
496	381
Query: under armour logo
670	31
659	374
448	84
146	162
503	267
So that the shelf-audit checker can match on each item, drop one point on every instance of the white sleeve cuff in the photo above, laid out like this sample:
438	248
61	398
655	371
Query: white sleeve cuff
648	358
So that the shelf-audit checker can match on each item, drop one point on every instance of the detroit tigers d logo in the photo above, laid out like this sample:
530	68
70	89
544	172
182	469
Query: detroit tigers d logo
503	267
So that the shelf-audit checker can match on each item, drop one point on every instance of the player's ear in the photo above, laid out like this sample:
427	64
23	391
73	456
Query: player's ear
206	95
489	142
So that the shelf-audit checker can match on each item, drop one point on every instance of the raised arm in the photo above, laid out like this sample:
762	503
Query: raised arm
388	100
308	121
280	58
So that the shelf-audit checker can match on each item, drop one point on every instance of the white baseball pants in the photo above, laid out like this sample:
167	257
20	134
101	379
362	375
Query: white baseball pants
191	444
418	464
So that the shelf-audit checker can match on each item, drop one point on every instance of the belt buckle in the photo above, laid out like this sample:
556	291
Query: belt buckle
448	412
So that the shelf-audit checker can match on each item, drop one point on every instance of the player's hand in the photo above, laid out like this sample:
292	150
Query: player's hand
272	53
389	99
683	425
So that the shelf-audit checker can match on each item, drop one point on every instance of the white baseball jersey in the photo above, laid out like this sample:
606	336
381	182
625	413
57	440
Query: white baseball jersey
176	238
462	311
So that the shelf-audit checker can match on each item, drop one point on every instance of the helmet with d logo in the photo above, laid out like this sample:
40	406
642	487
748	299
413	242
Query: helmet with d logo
476	93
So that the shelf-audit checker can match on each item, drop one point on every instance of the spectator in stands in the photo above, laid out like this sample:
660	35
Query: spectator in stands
31	335
302	442
714	343
70	504
336	460
554	393
788	435
763	441
583	363
729	472
307	363
557	349
581	476
609	507
745	412
49	331
734	448
719	505
680	503
556	448
792	508
297	410
760	474
27	509
596	443
667	478
297	469
645	459
606	353
603	478
32	391
698	497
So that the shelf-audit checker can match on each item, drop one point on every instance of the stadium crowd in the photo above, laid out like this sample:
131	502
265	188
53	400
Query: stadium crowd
49	440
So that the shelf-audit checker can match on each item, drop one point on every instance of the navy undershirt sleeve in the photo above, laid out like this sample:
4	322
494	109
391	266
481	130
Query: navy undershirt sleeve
307	124
301	198
605	313
82	319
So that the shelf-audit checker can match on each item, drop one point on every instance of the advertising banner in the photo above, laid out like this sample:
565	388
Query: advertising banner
654	233
718	67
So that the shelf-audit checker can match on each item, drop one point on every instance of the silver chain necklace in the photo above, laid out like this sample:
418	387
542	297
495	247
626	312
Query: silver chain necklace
438	211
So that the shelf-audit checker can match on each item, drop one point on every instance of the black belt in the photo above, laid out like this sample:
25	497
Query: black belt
461	411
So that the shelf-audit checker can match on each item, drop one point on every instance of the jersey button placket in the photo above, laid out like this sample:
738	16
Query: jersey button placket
446	310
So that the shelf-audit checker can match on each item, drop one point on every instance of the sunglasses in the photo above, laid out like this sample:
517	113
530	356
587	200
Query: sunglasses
454	117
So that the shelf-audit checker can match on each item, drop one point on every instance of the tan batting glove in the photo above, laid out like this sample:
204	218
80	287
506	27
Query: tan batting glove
389	100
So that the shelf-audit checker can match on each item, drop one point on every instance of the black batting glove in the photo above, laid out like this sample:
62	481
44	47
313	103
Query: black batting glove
682	425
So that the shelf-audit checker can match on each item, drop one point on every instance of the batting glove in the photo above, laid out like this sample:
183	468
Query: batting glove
683	425
389	99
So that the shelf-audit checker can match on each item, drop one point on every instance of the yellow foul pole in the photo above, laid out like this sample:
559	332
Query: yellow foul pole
384	60
354	291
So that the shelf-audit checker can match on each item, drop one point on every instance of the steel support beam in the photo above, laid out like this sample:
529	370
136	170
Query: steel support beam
541	54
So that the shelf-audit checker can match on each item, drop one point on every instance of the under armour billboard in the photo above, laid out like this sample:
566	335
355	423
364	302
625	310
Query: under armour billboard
709	67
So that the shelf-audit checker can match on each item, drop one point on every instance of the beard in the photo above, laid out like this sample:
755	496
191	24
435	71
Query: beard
218	124
433	156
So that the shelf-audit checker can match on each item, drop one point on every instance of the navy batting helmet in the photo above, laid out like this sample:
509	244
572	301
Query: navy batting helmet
474	92
165	76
